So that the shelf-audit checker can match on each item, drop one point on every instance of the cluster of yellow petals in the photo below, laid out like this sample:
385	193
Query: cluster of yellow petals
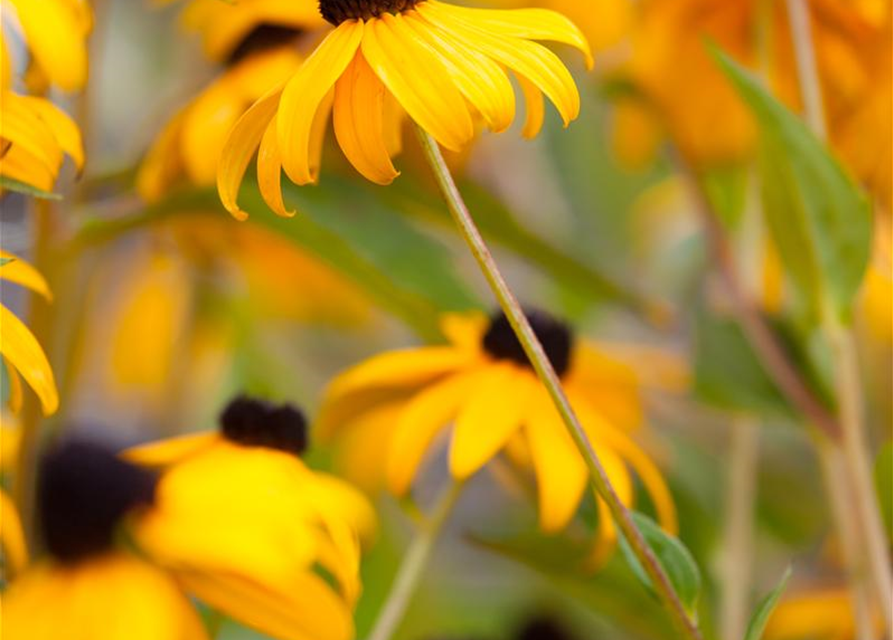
440	64
385	415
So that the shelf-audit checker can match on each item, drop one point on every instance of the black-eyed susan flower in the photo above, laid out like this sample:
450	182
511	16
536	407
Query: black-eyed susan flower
442	65
55	33
284	557
816	614
89	587
21	352
482	388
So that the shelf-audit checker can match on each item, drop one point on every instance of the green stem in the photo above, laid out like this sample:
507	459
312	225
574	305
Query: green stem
534	350
413	566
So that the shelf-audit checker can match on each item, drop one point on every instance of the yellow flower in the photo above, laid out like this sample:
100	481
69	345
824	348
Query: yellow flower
12	537
274	522
226	26
440	64
55	33
21	352
482	384
816	615
91	588
190	145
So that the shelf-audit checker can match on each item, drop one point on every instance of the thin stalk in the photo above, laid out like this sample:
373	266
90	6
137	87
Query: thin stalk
739	532
413	566
843	344
598	477
839	491
864	503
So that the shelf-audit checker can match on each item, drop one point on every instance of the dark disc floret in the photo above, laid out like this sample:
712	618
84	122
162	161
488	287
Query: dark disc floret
543	629
556	337
262	38
337	11
257	423
83	492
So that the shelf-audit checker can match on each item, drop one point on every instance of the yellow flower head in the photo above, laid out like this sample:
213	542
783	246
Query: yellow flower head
21	352
482	384
279	529
92	589
441	64
819	614
55	32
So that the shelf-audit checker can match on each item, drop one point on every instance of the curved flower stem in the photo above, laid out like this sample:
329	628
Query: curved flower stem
534	350
413	566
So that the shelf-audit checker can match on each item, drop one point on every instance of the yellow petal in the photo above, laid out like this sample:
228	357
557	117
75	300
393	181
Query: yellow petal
171	451
23	273
269	172
363	443
536	108
163	163
24	128
12	536
303	95
239	148
66	132
21	165
527	24
418	80
359	122
424	416
56	37
16	395
529	59
21	349
483	82
488	418
205	123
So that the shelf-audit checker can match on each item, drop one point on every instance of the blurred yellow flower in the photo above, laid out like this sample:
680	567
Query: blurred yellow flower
482	384
12	537
816	615
877	291
55	32
441	64
21	352
88	588
687	96
273	520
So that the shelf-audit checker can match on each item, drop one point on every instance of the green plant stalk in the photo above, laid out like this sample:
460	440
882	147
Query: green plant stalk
848	382
686	625
413	566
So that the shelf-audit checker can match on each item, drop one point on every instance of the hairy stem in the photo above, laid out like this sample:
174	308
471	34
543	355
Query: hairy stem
413	566
598	477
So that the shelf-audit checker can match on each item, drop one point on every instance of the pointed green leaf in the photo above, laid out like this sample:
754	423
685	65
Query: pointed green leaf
673	556
817	215
760	618
9	184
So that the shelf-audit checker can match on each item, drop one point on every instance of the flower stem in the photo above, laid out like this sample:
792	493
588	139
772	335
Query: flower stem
534	350
413	566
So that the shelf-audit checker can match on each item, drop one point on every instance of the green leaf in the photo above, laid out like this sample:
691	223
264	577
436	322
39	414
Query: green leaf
760	618
883	475
9	184
818	217
673	556
4	261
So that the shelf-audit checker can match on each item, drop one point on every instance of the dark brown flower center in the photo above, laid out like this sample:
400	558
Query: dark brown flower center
83	492
255	423
556	337
262	38
337	11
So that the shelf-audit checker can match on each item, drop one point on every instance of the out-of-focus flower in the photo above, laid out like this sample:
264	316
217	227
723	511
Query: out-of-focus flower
21	352
482	384
817	615
92	588
685	94
273	519
55	33
877	292
12	537
440	64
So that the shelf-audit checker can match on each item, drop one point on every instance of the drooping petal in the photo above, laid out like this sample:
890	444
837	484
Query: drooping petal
483	82
423	418
488	418
66	132
418	80
269	172
21	349
215	110
536	108
12	537
163	163
529	59
561	474
359	122
171	450
527	24
22	127
239	148
304	93
23	273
